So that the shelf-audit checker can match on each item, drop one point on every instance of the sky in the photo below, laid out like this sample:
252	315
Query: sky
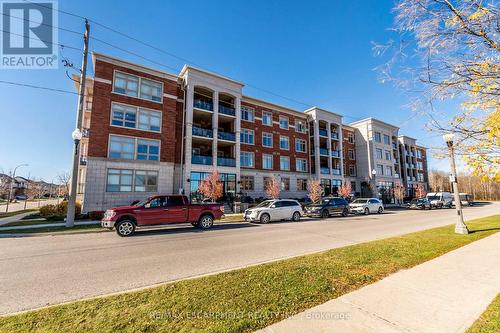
316	52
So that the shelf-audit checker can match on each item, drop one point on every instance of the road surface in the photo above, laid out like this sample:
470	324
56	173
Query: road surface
43	270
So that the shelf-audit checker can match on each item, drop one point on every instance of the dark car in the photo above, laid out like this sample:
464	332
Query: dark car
328	206
21	197
422	203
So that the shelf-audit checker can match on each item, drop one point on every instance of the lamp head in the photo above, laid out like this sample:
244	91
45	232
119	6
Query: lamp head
76	134
448	137
374	172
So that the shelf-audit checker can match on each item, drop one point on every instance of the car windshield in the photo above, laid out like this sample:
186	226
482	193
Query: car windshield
326	201
141	203
433	197
360	201
266	203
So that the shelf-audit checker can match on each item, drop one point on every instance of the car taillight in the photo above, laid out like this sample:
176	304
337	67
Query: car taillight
222	208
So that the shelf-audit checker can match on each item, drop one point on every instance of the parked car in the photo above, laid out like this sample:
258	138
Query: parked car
366	206
465	199
21	197
440	199
274	210
161	210
328	206
422	203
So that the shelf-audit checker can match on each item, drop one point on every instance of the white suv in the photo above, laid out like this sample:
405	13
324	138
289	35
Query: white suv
274	210
366	206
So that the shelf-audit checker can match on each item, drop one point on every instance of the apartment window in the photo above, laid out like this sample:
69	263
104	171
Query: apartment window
301	165
284	143
353	186
247	159
300	126
247	183
378	152
123	115
352	170
388	170
387	140
119	180
148	150
267	140
419	154
247	136
122	147
247	113
388	155
151	90
284	163
351	155
149	120
267	118
380	170
300	145
377	137
126	84
350	137
283	122
301	184
285	184
267	161
146	181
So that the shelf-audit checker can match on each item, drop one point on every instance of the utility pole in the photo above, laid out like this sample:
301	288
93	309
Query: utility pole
77	133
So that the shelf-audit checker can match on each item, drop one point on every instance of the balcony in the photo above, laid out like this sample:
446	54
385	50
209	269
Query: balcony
203	104
226	161
323	151
227	110
335	135
83	160
324	171
201	159
228	136
396	175
203	132
336	172
85	132
323	132
336	153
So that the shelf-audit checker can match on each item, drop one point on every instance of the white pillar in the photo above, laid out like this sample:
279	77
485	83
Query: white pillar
188	142
329	145
237	147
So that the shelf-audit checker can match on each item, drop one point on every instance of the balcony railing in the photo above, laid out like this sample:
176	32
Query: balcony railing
335	135
323	132
335	153
324	171
226	136
336	171
204	132
229	110
323	151
226	161
83	160
203	104
201	159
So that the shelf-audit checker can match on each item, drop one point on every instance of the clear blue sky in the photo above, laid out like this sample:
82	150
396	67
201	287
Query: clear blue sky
318	52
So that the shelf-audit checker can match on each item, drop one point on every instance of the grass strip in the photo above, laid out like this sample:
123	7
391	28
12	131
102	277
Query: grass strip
9	214
26	222
251	298
489	322
62	228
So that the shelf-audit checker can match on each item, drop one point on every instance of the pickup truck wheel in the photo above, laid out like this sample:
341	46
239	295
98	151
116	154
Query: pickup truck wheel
125	228
296	216
206	222
325	214
265	218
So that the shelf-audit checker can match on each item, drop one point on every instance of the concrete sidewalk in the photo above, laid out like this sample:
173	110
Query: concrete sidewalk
446	294
45	225
14	218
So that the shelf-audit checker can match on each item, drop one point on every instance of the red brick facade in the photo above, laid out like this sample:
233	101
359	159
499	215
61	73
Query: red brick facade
346	147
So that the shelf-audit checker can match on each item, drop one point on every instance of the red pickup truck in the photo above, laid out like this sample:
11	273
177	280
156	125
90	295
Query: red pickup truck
159	210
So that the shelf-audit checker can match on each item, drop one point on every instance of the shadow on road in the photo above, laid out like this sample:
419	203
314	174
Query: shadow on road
178	229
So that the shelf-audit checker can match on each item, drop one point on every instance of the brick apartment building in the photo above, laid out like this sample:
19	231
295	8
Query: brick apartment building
147	131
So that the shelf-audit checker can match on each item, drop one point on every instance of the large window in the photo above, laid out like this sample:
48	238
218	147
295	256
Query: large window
301	164
267	161
285	184
300	145
284	163
247	136
388	155
122	147
127	116
146	181
135	86
380	170
377	137
149	120
247	159
267	118
387	139
119	180
378	152
350	137
300	126
284	143
247	183
148	150
283	122
301	184
388	170
352	170
267	140
351	154
247	113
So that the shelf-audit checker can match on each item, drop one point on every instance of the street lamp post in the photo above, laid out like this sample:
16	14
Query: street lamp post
70	216
12	185
460	227
374	173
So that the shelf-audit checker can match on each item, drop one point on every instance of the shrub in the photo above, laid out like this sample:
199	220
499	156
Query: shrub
58	211
96	215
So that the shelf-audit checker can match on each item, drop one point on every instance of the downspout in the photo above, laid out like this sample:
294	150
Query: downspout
181	185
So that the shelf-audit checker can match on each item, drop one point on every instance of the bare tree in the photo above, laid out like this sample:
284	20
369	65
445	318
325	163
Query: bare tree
64	179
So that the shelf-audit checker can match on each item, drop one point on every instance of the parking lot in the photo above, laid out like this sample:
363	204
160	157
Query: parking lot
41	270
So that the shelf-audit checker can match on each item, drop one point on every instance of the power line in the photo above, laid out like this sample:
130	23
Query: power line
41	23
38	87
45	41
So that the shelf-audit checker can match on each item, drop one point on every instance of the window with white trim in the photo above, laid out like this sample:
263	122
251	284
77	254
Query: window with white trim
151	90
285	184
301	164
388	170
247	136
301	184
377	136
267	118
247	183
284	143
121	147
267	140
148	150
350	137
149	120
283	122
247	113
123	115
378	153
352	170
247	159
284	163
388	155
267	161
380	170
126	84
146	181
119	180
387	139
351	154
300	126
300	145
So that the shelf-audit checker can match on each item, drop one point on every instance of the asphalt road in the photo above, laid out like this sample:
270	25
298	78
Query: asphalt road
43	270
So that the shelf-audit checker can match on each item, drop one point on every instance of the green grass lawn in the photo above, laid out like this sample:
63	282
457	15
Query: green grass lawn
16	213
251	298
62	228
28	222
489	322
